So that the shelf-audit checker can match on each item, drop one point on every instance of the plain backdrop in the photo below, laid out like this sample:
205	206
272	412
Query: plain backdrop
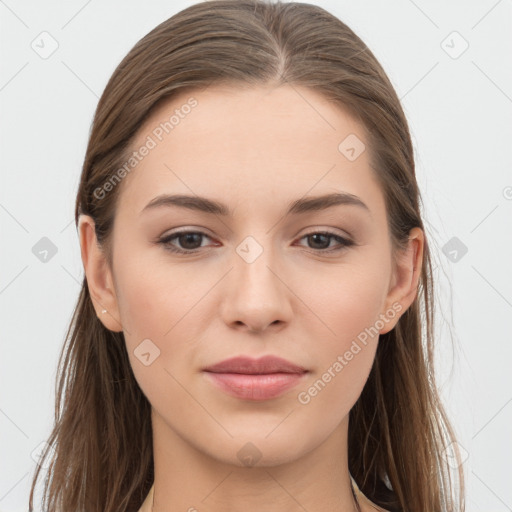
450	64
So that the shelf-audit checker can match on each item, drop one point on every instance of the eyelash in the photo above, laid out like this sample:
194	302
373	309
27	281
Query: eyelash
165	241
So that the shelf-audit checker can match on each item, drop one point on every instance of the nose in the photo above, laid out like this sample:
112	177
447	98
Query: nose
256	295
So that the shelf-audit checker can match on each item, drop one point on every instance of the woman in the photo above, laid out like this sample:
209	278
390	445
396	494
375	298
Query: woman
249	332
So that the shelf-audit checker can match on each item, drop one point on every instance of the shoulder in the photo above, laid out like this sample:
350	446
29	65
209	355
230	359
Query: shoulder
146	506
369	506
364	502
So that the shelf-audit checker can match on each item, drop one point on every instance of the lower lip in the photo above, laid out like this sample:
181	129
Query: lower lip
255	387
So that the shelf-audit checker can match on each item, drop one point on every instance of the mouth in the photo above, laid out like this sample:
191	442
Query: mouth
255	379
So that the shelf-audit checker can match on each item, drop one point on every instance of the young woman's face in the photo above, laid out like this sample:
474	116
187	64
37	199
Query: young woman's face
265	275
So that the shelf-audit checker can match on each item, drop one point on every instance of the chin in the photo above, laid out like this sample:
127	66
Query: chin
256	448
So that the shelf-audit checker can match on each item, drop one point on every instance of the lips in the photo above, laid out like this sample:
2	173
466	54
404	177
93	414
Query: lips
255	379
248	366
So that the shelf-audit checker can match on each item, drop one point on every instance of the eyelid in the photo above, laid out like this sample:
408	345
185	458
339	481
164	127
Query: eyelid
184	230
330	231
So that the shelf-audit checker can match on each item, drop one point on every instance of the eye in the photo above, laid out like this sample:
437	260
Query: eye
324	239
190	241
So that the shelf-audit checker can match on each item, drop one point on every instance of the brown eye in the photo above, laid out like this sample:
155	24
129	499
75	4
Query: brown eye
190	241
321	241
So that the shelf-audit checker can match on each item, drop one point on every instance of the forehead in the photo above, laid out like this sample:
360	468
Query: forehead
250	143
262	117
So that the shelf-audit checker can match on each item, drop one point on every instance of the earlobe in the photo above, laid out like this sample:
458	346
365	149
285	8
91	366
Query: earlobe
407	276
99	275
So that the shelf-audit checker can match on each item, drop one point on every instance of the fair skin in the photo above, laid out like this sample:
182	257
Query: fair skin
256	150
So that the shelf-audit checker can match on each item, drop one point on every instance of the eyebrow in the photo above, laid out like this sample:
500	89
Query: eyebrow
303	205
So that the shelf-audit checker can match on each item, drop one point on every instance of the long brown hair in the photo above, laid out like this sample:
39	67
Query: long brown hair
100	449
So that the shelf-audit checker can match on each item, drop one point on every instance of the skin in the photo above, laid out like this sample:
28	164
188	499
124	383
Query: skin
255	149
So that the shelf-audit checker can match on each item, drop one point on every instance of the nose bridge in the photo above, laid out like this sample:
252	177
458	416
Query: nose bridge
255	266
257	295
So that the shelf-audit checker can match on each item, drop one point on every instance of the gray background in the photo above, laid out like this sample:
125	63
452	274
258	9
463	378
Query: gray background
459	107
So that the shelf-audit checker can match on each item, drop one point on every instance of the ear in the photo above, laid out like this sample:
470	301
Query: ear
99	276
405	279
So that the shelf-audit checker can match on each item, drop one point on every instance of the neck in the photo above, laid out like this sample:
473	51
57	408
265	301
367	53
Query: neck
187	478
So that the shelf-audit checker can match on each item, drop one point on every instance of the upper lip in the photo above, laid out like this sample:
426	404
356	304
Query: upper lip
250	366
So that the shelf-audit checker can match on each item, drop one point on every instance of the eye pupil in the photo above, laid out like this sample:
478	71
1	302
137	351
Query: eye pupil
189	237
315	239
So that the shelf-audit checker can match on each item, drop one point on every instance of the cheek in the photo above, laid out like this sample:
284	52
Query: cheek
348	307
346	301
156	298
342	361
162	304
332	392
